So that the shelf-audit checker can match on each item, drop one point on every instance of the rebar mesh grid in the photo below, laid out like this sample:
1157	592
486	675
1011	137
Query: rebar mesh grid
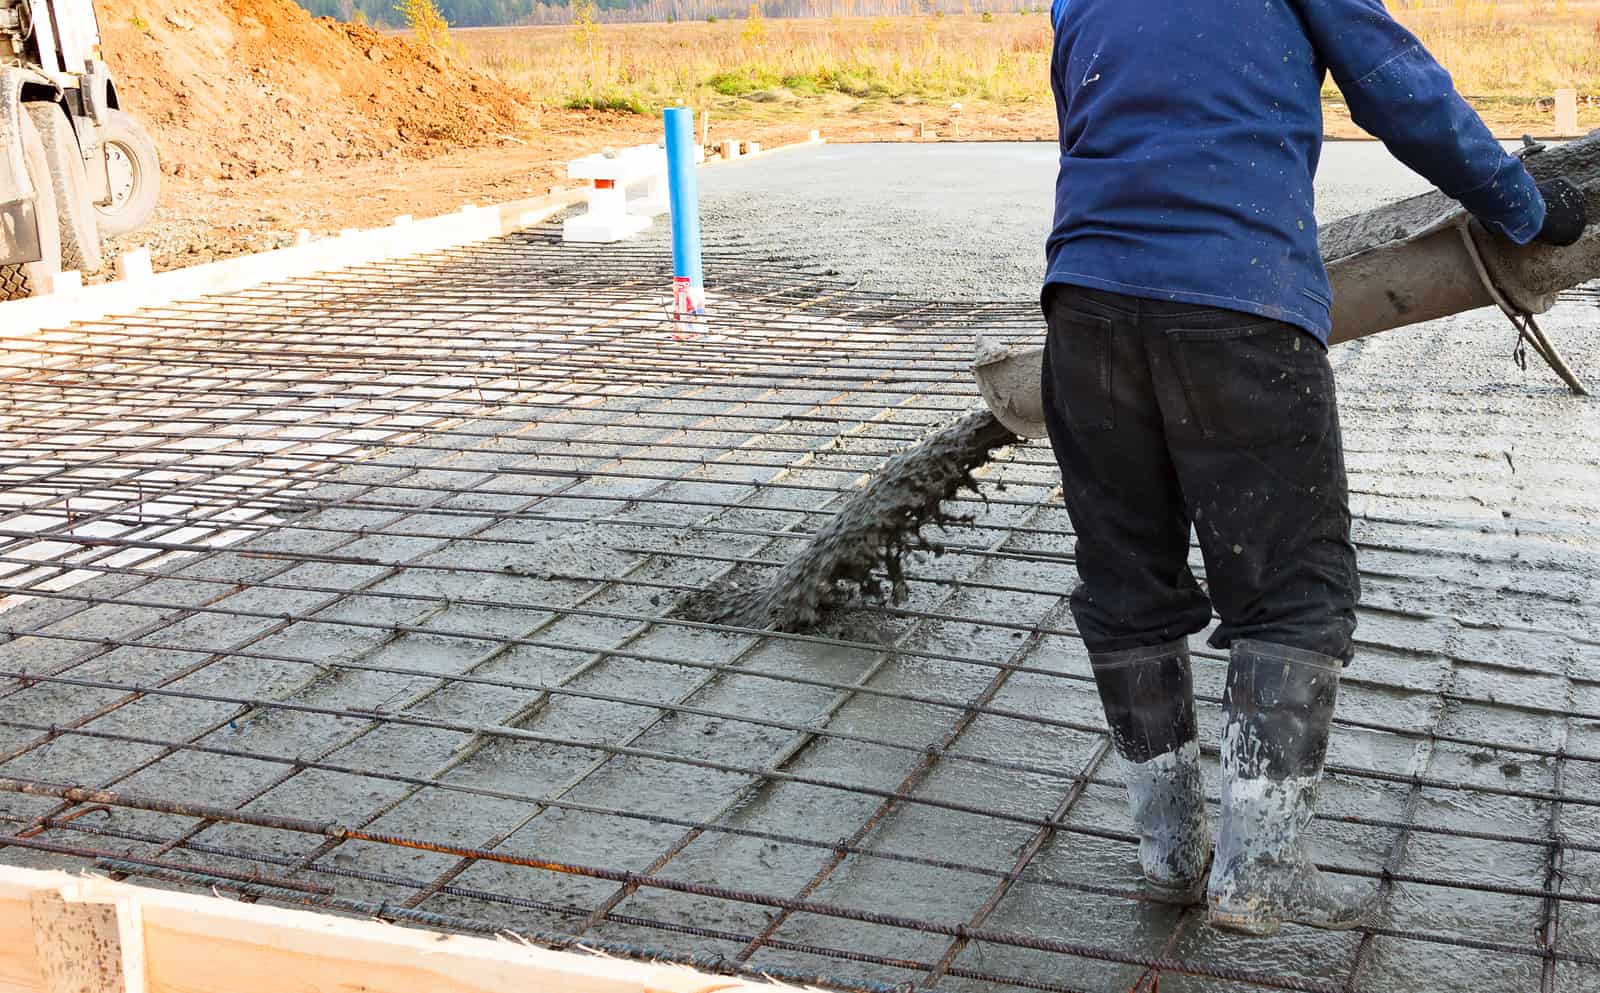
358	592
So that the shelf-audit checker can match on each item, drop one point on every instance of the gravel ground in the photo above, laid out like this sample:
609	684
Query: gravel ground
946	221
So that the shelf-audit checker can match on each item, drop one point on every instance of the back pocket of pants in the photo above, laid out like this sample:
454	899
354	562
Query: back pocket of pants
1079	367
1261	382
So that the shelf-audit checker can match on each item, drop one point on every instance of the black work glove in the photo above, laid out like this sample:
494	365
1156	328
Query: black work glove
1565	214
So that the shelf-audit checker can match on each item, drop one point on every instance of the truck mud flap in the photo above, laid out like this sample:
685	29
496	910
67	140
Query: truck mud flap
19	233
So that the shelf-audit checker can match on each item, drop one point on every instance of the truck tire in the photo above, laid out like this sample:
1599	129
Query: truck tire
80	239
135	175
30	278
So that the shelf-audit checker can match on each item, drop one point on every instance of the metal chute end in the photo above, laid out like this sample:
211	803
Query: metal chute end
1009	379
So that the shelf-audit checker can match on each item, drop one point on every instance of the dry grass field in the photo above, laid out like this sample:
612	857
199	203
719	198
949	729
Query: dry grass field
1511	51
768	61
1505	57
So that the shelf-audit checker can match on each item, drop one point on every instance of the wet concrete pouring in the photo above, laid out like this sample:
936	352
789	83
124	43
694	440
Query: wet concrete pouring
860	552
368	593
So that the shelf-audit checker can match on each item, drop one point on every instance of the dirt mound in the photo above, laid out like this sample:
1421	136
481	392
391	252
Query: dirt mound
237	88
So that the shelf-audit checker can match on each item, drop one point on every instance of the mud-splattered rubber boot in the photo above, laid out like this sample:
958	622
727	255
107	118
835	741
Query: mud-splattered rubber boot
1277	708
1149	702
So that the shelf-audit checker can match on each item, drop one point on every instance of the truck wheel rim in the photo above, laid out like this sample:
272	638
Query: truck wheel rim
122	170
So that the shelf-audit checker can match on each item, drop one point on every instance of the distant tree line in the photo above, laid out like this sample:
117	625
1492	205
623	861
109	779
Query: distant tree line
481	13
462	13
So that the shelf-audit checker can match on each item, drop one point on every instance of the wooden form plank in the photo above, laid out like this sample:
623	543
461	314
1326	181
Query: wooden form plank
79	945
20	971
405	237
61	933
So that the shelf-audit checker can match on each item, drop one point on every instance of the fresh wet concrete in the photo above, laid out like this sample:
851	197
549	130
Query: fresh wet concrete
463	631
964	221
861	552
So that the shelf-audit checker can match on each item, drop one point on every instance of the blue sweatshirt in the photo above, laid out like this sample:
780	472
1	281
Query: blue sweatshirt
1190	130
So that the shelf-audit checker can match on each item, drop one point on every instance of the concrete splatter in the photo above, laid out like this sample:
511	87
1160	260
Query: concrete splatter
862	549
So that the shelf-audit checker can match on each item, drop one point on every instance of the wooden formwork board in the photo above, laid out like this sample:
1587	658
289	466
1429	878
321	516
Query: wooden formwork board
61	933
404	237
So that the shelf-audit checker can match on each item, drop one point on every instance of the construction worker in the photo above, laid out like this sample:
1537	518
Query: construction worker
1186	383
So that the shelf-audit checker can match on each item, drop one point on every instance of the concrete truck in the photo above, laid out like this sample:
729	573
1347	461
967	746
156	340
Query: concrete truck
75	167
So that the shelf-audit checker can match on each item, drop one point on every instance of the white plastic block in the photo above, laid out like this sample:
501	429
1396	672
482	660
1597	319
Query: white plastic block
589	229
1566	112
135	264
68	281
657	197
608	202
624	167
607	218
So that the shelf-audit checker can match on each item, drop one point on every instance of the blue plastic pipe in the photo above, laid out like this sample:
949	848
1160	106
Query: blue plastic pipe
688	276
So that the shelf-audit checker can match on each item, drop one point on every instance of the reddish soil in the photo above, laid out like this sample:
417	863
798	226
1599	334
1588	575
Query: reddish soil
239	88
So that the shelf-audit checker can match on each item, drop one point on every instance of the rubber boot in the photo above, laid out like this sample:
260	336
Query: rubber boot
1149	702
1277	708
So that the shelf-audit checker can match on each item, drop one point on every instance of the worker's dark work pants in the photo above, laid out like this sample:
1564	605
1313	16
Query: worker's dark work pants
1164	415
